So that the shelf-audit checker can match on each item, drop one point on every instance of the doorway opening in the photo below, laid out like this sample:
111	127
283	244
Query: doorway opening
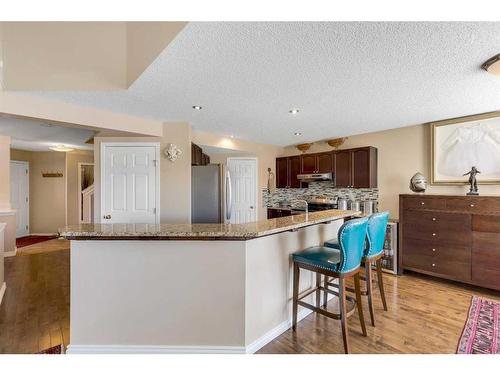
86	193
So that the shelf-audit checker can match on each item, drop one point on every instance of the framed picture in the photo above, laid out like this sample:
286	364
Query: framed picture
461	143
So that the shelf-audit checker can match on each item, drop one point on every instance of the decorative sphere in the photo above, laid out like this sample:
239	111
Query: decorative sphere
418	183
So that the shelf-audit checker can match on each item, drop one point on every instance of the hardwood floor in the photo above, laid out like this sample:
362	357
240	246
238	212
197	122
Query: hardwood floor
34	314
44	247
425	315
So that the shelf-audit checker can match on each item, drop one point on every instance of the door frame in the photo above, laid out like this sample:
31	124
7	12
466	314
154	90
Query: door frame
79	189
102	158
256	160
27	165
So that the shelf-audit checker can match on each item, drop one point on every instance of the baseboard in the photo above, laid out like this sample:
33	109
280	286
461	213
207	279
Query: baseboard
278	330
2	291
153	349
162	349
43	234
12	253
275	332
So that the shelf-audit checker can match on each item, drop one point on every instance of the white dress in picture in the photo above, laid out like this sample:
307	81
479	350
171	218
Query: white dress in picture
475	145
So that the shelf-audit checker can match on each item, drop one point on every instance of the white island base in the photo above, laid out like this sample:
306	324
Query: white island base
186	296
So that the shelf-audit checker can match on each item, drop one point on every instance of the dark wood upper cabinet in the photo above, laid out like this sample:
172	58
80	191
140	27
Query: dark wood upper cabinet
356	168
196	155
343	168
282	172
317	163
324	162
293	171
352	168
308	163
364	167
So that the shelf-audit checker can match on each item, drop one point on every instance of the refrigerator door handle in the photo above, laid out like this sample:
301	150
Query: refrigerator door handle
229	196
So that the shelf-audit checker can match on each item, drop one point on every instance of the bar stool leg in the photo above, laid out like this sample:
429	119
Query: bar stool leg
381	282
369	289
325	294
318	292
296	275
359	303
343	314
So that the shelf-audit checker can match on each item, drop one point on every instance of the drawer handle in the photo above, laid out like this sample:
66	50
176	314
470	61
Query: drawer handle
434	234
422	203
433	219
433	264
472	205
433	249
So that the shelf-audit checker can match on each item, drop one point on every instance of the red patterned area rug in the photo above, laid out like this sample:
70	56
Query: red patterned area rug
481	334
58	349
31	240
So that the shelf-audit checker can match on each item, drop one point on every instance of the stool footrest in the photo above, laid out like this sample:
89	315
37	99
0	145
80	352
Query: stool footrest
327	313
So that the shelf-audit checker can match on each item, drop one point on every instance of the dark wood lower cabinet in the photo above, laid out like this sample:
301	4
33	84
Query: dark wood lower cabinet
453	237
273	213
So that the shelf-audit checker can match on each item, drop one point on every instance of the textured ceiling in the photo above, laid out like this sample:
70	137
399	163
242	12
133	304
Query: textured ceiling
33	135
346	78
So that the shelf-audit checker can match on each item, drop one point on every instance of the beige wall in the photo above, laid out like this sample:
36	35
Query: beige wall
81	55
4	173
55	111
140	54
401	153
48	194
64	55
72	161
175	177
265	154
7	216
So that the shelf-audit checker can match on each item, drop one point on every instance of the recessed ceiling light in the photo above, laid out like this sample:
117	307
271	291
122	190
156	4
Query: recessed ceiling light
61	148
294	111
231	136
297	133
197	107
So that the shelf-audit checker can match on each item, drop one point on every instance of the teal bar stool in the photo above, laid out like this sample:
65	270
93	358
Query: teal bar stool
337	263
377	224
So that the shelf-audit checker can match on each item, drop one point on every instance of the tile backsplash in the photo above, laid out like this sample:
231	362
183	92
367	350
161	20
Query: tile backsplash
325	188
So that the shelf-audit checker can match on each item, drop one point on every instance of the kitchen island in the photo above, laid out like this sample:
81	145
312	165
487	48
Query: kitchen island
188	288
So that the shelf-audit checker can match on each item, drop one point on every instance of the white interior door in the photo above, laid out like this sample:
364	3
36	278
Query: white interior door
243	173
19	195
130	183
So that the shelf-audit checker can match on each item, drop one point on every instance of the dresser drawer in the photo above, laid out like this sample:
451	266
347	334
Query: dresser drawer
430	248
474	205
486	223
454	262
438	220
438	233
423	203
486	259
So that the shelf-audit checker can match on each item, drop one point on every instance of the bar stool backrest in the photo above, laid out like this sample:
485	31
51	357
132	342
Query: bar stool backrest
377	224
352	235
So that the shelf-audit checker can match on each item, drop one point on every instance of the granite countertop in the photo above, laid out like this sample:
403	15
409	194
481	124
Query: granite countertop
200	231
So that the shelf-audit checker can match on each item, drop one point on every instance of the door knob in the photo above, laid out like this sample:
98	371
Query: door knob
251	207
107	217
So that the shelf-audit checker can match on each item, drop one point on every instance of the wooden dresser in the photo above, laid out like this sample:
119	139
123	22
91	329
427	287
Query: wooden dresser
453	237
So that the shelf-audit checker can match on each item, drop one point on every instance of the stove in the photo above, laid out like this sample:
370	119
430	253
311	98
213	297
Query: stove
321	203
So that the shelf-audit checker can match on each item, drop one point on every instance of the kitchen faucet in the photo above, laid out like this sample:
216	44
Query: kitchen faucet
302	201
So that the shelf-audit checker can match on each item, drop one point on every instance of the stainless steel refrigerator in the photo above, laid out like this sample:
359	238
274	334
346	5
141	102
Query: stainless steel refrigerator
210	194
